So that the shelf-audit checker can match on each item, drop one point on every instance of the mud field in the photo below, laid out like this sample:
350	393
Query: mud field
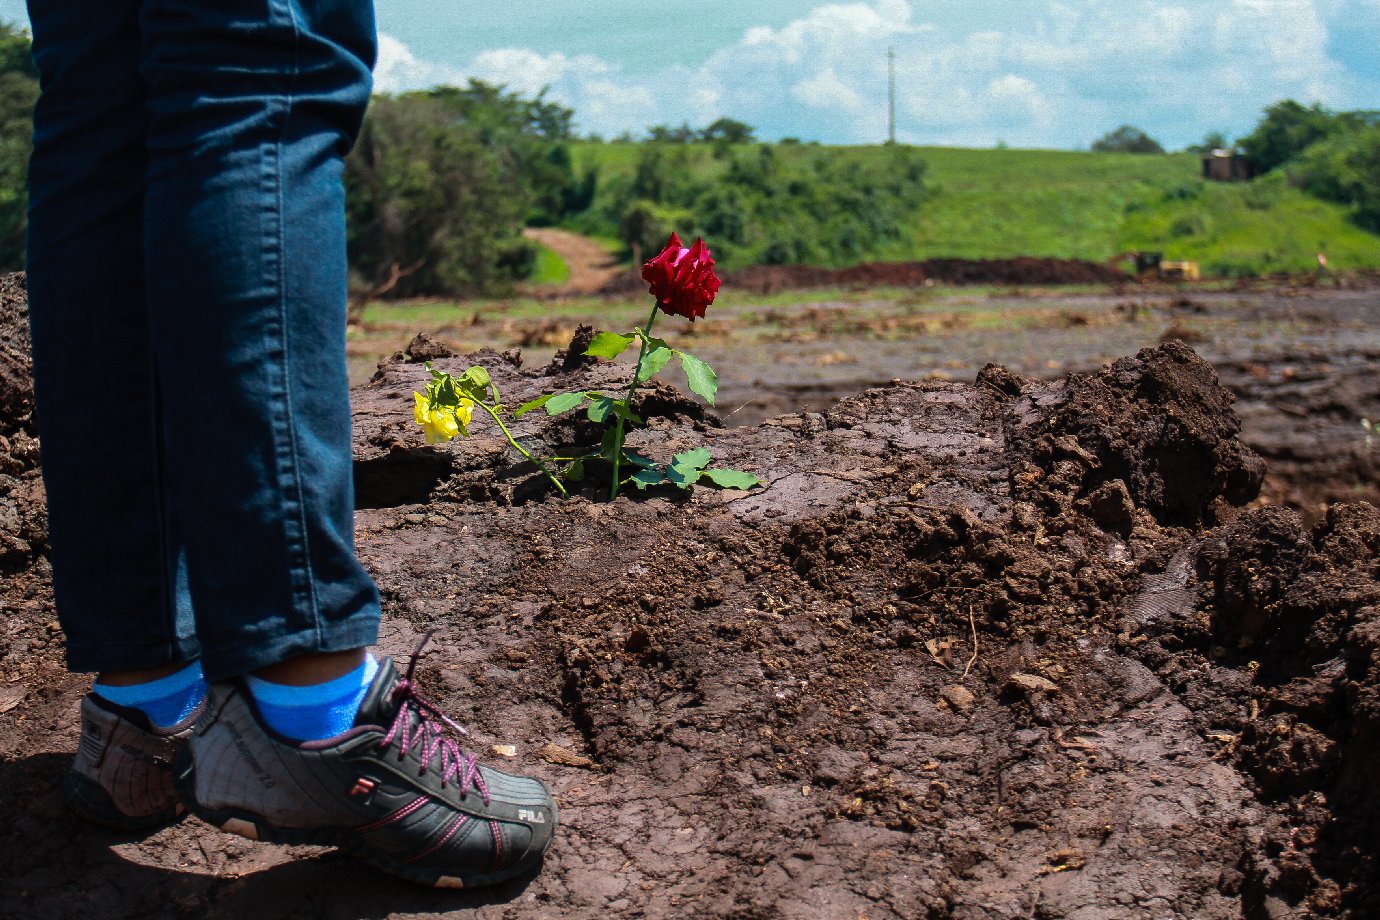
1000	647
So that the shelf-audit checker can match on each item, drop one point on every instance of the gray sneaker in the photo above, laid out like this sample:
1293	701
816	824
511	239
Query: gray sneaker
122	776
395	790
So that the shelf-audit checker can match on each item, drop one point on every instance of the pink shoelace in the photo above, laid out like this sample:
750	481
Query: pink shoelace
421	722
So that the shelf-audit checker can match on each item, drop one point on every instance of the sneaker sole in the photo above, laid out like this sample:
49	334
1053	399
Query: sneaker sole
88	801
256	827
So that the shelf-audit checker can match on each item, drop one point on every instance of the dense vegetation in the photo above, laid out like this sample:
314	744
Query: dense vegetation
759	203
441	183
1333	155
18	93
1066	204
1127	139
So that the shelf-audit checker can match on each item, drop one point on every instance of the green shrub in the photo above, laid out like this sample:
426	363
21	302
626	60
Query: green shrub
1345	168
441	183
18	93
760	206
1190	225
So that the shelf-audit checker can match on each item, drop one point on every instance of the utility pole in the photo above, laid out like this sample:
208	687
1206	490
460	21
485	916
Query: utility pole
891	95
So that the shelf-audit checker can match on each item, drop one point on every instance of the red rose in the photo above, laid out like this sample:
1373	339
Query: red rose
682	280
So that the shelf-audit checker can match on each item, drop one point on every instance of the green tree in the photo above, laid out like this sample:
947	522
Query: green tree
1345	168
1127	139
18	94
763	207
528	137
430	208
1213	140
1287	130
441	183
665	134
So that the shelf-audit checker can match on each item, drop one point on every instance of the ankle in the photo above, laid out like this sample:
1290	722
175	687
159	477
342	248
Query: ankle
130	677
313	668
168	696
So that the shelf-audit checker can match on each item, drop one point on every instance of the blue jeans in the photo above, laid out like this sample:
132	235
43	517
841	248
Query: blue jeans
187	293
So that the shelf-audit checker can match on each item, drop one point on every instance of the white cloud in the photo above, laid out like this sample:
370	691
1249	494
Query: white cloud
1058	73
399	70
529	72
826	91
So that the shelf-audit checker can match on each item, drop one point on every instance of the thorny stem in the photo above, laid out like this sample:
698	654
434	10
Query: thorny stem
522	450
645	336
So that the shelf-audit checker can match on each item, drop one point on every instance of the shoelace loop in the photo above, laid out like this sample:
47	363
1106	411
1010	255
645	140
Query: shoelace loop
429	730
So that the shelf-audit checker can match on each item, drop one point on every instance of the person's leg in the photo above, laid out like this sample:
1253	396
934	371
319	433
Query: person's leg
117	575
120	590
253	105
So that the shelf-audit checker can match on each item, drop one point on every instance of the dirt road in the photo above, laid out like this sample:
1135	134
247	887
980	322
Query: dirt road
591	266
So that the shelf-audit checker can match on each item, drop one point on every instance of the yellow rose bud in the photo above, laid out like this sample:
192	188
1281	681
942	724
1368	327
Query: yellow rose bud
464	412
439	424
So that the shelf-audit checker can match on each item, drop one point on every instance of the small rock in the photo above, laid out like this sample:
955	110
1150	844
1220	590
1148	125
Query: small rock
960	698
835	766
415	518
1032	683
554	753
504	750
1111	507
424	348
10	697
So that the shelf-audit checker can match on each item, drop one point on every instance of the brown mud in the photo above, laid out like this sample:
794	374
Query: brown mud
770	279
1008	648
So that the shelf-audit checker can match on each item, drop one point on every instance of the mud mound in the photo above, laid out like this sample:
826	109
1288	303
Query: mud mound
1274	628
16	366
23	517
768	279
1109	450
1003	649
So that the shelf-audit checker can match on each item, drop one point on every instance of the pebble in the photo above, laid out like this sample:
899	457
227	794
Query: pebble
960	698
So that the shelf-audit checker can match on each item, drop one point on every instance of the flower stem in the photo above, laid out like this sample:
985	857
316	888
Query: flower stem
522	450
645	336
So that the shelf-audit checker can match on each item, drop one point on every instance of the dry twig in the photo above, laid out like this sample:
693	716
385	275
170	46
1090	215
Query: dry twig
972	623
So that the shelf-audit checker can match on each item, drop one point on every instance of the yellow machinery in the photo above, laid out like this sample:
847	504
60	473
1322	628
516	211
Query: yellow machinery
1179	271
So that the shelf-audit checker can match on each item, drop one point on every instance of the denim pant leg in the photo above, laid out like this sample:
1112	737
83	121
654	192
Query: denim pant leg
121	591
253	105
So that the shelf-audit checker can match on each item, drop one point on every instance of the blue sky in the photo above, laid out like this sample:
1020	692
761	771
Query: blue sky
1030	73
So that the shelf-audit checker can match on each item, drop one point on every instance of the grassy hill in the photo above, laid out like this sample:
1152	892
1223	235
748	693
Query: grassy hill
1005	203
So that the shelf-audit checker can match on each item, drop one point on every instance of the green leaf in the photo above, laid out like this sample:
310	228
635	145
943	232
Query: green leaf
732	479
696	459
647	477
600	408
534	404
474	382
563	403
702	378
609	345
575	472
652	362
637	459
476	375
683	476
619	408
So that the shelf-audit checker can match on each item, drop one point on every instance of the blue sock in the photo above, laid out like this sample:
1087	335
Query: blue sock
317	711
167	701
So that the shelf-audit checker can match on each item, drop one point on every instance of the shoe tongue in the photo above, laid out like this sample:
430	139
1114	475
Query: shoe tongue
379	706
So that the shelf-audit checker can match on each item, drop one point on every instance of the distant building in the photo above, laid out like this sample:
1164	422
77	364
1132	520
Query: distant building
1226	166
